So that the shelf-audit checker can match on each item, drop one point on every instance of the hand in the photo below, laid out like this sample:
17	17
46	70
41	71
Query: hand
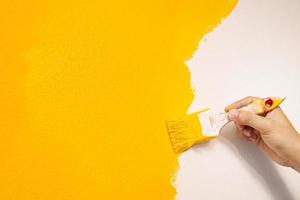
273	134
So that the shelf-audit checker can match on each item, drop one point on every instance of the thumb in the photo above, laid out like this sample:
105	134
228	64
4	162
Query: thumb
253	120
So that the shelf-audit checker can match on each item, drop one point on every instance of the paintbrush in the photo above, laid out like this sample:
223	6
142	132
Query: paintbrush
207	124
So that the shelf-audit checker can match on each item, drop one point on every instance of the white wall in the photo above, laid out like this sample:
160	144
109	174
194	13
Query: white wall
255	51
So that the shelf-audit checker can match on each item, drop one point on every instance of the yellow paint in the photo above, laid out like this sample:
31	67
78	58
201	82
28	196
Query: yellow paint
86	87
186	132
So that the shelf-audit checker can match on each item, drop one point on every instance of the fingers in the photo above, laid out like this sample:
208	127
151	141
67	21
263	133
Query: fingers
240	130
247	132
246	118
241	103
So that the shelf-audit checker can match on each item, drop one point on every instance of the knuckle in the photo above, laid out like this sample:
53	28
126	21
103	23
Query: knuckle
268	125
249	98
253	98
244	117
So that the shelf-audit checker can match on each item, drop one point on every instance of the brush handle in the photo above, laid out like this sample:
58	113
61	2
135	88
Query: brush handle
212	121
263	106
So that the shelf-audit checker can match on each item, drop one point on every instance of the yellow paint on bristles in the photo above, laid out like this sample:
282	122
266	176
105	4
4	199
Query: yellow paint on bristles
186	132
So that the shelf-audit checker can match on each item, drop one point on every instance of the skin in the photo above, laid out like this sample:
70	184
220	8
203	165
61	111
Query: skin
273	133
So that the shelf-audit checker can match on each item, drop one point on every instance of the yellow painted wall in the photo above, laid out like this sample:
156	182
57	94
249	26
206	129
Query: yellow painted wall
86	87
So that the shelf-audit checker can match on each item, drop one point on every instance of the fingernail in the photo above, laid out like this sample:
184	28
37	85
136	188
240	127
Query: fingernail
228	108
253	137
233	114
247	133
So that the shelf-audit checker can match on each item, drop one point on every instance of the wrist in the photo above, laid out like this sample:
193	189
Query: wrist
295	154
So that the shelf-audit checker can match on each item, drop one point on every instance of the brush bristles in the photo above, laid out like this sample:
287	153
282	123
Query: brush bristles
184	133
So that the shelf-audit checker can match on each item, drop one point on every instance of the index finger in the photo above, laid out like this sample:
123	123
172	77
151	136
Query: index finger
241	103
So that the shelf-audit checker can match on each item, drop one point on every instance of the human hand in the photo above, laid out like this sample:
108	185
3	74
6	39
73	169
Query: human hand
273	133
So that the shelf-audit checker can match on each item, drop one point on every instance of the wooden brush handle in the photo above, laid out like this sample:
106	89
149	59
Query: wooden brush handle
263	106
